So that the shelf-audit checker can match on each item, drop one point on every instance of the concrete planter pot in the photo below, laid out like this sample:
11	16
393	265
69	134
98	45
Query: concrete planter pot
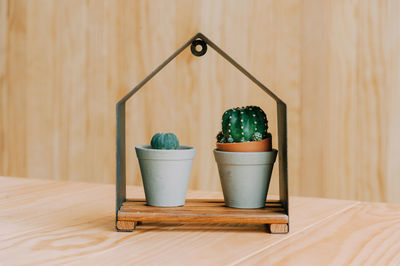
165	174
245	177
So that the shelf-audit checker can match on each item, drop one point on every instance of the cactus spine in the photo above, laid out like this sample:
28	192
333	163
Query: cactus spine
243	124
164	141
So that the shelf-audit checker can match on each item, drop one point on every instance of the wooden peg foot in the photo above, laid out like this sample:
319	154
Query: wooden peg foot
126	226
278	228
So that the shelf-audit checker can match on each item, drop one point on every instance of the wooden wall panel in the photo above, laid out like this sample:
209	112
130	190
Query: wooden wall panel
65	64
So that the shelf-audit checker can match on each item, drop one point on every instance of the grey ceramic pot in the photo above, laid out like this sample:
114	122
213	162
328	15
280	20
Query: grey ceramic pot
165	174
245	177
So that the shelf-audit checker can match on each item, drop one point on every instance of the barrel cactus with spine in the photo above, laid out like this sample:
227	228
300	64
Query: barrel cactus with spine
164	141
243	124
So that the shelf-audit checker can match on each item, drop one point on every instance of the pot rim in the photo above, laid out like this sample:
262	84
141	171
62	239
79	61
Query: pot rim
145	152
180	148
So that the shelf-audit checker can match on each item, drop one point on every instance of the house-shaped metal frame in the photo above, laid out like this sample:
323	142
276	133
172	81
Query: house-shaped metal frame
200	39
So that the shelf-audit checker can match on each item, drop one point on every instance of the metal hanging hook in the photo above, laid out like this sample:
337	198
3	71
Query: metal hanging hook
195	44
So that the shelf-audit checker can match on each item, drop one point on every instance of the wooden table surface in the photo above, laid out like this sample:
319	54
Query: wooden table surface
49	222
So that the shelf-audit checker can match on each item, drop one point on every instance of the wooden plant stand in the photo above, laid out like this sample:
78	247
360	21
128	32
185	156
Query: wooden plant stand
131	212
135	211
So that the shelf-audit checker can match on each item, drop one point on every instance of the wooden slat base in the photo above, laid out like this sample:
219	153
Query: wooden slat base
202	211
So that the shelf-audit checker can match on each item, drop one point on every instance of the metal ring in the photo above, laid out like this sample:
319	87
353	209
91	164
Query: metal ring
203	47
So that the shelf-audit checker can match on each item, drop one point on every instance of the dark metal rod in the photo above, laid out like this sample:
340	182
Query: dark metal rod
120	154
282	147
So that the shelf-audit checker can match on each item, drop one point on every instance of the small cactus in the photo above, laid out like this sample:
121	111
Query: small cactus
220	137
164	141
243	124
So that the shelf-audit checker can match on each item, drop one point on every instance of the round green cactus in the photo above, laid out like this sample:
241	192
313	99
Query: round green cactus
243	124
164	141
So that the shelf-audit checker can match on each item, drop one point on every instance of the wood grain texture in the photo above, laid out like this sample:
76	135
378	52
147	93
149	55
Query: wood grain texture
54	222
366	234
201	211
65	64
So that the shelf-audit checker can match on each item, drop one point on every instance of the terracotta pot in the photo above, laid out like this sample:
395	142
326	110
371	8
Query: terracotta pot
252	146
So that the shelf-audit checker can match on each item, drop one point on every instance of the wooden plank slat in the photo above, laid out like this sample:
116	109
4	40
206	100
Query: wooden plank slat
199	203
201	211
184	217
220	208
